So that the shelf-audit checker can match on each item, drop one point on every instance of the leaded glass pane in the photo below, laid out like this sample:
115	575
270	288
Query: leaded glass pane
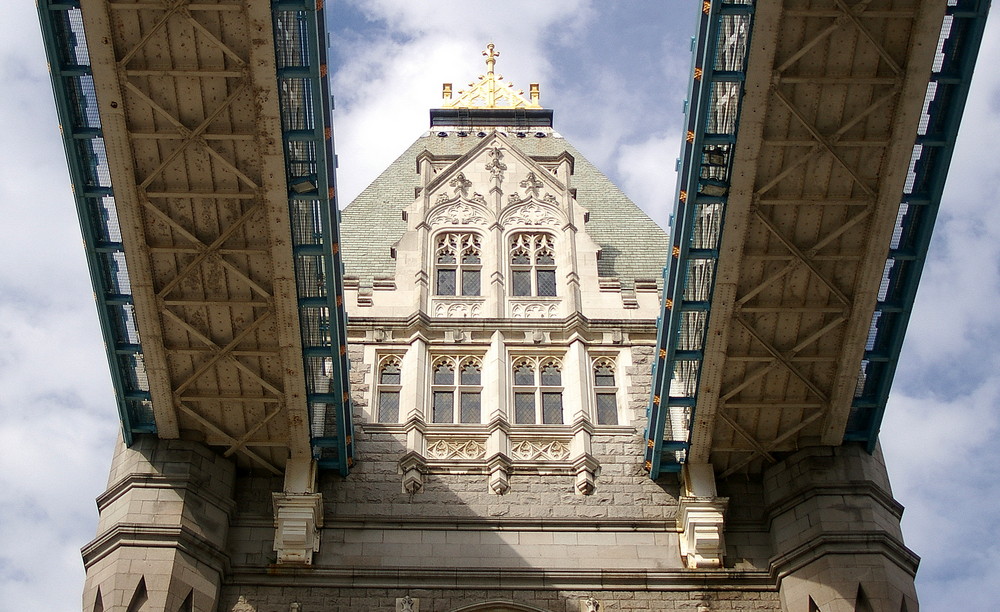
546	282
520	258
524	375
552	412
446	282
524	408
471	374
607	409
551	376
470	282
444	374
471	258
470	407
521	282
546	259
388	407
446	258
604	376
444	407
390	375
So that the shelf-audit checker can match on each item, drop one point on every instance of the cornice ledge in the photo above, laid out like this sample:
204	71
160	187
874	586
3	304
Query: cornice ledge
144	535
507	578
845	543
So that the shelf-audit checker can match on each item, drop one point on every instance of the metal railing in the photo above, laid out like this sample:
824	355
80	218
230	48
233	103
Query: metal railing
76	107
944	103
720	51
306	122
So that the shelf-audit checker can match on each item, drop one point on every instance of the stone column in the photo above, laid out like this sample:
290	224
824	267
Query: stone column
835	533
164	520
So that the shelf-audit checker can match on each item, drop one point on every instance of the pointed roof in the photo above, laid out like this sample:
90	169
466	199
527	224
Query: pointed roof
633	245
490	91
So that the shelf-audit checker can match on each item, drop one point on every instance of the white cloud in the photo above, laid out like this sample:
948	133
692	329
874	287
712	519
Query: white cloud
648	175
57	415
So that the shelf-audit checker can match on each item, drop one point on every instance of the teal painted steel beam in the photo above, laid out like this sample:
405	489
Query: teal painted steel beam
307	134
76	108
706	162
934	146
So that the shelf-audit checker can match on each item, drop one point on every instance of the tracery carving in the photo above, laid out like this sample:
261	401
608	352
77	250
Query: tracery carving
534	310
552	450
531	184
458	310
459	213
496	165
456	449
531	213
461	185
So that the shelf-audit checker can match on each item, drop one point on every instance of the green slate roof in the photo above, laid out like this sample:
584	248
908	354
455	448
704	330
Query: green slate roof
633	245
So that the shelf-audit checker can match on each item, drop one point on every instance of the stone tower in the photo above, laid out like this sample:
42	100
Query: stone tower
503	297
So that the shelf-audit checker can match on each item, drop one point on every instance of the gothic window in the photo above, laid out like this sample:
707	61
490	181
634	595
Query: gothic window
389	384
458	264
606	391
456	387
532	265
537	391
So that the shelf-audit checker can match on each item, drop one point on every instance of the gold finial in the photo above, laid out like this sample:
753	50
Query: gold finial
491	57
490	91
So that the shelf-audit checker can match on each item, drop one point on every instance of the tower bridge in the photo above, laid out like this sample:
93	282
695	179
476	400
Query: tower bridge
199	141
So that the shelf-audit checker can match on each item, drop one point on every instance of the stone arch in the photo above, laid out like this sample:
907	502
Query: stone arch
498	605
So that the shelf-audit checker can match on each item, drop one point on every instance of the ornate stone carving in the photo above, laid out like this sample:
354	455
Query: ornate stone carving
531	214
478	199
407	604
461	185
496	166
534	310
242	605
531	184
550	199
443	197
513	198
456	449
590	605
458	310
550	450
459	213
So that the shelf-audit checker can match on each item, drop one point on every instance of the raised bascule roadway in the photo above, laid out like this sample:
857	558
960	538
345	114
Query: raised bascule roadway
818	138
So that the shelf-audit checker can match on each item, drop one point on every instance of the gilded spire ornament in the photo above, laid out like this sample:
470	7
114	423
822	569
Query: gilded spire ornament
490	91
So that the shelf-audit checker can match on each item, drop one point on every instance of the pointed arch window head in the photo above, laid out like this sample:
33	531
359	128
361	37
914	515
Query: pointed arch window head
532	265
606	391
538	391
389	385
458	264
456	389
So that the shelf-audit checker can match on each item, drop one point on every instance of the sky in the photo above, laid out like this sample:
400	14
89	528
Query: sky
616	75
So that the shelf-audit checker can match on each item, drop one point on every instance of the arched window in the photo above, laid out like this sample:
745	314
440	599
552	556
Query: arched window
537	391
457	260
456	387
606	391
389	384
532	265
